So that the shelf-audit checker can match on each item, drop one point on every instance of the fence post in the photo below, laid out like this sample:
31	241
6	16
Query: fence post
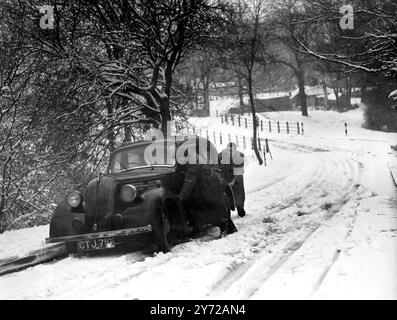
261	125
226	119
302	129
287	126
221	118
259	144
194	130
278	126
264	156
232	116
246	123
268	149
244	143
345	128
239	120
270	126
220	137
297	128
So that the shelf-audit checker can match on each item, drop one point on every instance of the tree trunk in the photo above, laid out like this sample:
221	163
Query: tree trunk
241	92
300	74
325	91
196	94
3	197
2	216
127	134
348	94
165	112
206	96
254	133
110	135
302	94
363	93
165	115
336	92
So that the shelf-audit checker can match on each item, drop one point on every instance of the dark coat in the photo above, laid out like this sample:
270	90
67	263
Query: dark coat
203	195
228	173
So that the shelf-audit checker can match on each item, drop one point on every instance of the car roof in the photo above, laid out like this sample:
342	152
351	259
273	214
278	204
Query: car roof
177	139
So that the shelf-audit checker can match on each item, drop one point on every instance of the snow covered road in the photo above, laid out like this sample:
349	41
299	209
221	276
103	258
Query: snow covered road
321	223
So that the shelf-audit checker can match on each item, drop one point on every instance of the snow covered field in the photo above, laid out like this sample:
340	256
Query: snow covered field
321	223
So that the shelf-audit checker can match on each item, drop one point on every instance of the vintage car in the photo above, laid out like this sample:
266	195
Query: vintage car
140	198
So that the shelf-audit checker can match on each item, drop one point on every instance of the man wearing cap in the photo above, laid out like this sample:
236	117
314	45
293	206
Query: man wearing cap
231	162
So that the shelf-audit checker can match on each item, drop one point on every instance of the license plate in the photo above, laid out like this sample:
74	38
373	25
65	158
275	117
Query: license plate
95	244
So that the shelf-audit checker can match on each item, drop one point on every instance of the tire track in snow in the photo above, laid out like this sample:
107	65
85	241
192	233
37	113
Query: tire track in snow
322	175
334	258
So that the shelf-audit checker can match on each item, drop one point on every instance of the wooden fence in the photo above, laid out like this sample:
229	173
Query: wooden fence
220	138
263	125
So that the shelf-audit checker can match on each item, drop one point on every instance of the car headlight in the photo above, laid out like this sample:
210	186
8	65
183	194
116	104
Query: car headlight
74	199
128	193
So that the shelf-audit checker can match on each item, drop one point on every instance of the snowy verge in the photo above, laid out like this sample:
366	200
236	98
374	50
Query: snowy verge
367	264
392	163
18	243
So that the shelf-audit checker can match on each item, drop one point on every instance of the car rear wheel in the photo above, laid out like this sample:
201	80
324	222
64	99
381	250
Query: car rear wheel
162	233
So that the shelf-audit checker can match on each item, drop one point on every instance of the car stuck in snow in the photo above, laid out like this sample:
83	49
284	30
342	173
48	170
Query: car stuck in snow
153	192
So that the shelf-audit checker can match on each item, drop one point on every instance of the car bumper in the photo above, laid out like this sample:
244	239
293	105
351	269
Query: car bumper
103	234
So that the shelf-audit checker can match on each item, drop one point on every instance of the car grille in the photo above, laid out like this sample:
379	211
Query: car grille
100	202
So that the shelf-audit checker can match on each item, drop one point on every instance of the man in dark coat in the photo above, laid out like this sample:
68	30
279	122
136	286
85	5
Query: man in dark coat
203	197
231	162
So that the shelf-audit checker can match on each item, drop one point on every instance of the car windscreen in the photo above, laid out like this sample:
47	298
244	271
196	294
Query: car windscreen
142	156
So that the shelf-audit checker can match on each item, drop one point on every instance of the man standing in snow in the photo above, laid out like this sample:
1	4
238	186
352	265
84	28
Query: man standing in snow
231	162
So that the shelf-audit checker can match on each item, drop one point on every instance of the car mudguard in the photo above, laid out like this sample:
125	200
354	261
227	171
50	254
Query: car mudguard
62	221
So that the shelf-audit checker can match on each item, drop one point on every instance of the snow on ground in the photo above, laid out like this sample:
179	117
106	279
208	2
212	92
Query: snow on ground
328	124
343	257
392	163
18	243
222	105
321	223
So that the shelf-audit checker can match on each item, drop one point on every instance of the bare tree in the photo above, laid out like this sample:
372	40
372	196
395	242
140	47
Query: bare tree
366	43
197	72
245	39
288	37
359	38
129	49
18	73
